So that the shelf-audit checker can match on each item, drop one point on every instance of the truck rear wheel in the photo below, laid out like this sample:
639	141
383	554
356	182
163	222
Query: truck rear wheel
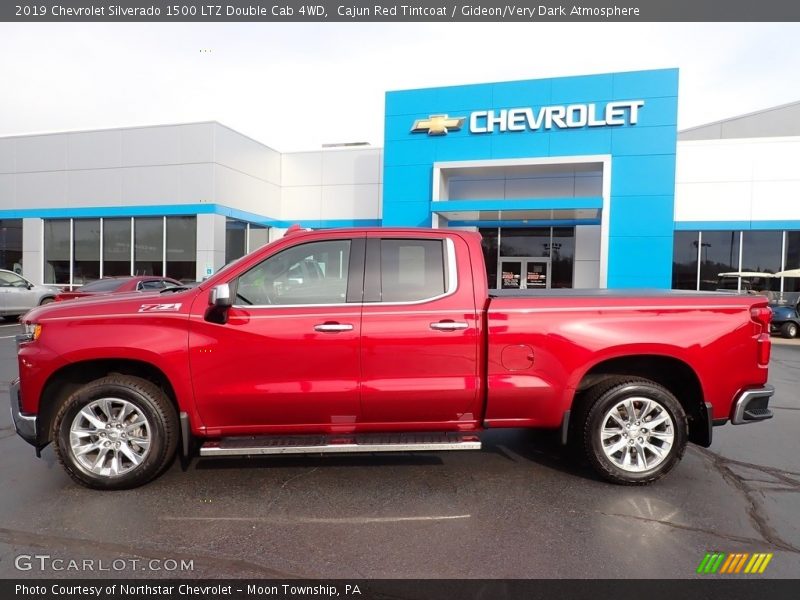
115	433
635	431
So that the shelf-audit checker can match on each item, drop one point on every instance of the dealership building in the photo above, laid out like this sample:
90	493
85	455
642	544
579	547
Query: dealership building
575	182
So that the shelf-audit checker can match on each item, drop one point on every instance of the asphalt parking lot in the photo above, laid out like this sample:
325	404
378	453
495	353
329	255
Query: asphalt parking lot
519	509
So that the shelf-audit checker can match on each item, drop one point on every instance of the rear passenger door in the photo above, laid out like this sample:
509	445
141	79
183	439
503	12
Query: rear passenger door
420	335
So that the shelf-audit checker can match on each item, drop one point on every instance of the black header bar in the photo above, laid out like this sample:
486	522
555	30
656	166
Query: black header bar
321	11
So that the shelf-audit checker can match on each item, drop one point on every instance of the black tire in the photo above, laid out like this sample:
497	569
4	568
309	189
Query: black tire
153	405
789	330
47	300
603	398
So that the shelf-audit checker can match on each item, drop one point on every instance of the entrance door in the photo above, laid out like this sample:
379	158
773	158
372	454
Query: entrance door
525	273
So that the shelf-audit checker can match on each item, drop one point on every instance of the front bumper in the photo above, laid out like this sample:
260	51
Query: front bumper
752	406
24	424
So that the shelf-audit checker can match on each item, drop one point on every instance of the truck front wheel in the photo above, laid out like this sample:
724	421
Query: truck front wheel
116	432
635	431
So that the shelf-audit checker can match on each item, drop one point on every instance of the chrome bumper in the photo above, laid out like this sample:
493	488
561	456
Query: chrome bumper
752	406
25	425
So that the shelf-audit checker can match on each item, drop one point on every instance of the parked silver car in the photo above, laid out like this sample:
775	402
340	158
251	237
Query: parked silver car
18	295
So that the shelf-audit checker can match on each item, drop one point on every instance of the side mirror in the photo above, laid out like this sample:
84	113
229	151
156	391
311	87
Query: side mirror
221	296
219	302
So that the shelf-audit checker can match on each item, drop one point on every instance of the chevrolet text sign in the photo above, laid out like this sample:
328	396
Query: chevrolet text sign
561	117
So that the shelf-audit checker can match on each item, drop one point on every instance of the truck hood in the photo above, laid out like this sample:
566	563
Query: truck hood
116	304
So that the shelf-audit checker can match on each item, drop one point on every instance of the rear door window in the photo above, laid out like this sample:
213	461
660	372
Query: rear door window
412	269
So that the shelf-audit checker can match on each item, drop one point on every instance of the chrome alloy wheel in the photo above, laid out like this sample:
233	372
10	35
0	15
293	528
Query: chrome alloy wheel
637	434
109	437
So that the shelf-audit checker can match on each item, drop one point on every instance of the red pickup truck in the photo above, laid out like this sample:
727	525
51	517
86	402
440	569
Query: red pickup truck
376	340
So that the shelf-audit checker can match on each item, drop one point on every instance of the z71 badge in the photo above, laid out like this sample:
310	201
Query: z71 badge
171	307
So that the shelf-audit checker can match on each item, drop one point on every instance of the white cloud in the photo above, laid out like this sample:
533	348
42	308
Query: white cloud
295	86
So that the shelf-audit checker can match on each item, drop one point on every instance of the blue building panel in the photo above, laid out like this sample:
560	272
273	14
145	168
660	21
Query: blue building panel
658	83
640	140
643	175
509	146
631	142
636	216
639	261
508	94
580	142
594	88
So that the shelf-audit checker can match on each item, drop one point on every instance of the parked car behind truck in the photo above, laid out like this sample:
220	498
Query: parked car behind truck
379	340
18	295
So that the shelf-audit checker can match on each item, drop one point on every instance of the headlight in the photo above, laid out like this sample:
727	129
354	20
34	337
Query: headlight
32	332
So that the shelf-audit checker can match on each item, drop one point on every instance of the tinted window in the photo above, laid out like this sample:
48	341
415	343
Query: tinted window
103	285
235	239
562	257
719	253
182	248
314	273
11	244
148	246
411	270
533	241
684	260
489	246
56	251
116	247
792	284
86	250
153	284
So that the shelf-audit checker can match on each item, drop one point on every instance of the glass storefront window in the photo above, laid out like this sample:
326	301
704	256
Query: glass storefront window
86	250
235	239
562	257
532	241
684	260
116	247
556	243
148	246
761	253
259	236
792	284
182	248
489	245
56	251
11	245
719	253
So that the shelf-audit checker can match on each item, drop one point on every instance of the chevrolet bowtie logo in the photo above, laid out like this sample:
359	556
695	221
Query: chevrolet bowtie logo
438	124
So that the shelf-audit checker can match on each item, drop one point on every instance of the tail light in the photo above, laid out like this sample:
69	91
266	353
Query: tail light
761	316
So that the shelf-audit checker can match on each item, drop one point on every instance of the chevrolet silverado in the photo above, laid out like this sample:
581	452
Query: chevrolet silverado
381	340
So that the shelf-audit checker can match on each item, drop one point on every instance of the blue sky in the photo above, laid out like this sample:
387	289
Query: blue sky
297	86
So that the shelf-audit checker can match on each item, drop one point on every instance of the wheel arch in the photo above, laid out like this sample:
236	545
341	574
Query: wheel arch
674	374
63	382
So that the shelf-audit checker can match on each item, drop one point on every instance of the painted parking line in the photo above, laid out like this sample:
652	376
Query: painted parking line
317	520
12	325
7	337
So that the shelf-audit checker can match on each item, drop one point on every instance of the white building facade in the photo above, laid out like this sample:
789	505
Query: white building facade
183	200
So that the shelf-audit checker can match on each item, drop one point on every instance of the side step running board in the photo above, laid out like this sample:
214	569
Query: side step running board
334	444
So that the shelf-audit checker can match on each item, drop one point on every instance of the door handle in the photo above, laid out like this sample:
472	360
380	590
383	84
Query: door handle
449	325
333	327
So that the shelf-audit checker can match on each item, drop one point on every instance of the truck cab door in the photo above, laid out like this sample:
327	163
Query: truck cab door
420	333
287	358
